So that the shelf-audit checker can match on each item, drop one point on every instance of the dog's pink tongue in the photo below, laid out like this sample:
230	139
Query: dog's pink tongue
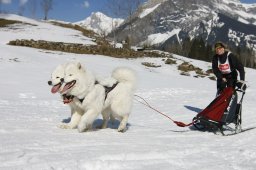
65	88
55	88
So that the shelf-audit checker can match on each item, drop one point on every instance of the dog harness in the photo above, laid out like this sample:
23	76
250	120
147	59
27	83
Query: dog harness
69	98
109	89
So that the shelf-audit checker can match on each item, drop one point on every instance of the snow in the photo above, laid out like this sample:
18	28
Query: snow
30	114
243	20
40	30
161	37
246	16
232	35
243	16
148	11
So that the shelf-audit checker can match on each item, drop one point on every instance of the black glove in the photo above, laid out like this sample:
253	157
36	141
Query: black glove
241	85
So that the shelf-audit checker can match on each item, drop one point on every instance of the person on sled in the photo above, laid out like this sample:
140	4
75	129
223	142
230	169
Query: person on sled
226	66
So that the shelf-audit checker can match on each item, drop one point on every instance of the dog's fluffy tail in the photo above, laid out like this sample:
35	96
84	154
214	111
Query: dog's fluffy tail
125	75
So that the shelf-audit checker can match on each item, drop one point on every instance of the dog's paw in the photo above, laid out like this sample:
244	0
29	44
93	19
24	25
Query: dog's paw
121	129
64	126
81	127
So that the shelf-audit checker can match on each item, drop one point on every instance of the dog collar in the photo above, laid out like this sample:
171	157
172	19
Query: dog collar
67	98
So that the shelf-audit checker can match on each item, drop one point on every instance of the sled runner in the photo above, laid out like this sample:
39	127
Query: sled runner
224	113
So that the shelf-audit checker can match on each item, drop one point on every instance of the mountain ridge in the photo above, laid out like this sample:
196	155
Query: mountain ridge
198	18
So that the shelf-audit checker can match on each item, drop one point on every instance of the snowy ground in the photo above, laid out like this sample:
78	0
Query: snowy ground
30	138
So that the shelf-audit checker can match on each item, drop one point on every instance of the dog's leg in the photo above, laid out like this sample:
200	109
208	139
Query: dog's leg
75	118
122	125
112	118
87	120
105	115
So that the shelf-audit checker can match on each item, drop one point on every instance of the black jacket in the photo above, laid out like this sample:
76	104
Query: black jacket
235	66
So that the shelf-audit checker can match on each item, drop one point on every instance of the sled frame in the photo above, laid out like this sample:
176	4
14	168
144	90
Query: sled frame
203	124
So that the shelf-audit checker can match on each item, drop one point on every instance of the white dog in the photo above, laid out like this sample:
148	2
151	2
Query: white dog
112	96
57	78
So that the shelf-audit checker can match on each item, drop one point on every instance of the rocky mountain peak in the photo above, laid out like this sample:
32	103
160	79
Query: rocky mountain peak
175	20
100	23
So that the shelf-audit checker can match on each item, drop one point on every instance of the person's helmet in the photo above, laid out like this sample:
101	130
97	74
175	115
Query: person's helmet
219	45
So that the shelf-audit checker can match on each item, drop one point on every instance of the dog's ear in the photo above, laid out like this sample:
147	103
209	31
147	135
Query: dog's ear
80	66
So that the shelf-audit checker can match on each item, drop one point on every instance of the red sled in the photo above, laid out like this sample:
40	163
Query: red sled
223	113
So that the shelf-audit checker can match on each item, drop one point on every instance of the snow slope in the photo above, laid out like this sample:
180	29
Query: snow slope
40	30
30	138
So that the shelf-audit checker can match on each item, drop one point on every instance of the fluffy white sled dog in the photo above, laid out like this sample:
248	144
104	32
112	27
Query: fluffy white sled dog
56	81
57	77
112	96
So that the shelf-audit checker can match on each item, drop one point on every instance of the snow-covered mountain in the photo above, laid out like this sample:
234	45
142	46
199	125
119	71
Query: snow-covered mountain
100	23
226	20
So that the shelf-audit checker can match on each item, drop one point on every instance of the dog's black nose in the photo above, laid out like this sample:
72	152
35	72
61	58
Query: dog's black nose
62	80
50	82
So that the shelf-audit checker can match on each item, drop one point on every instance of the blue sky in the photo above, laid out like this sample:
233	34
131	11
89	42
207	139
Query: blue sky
65	10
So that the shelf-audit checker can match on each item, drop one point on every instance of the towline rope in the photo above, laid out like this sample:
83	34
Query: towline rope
180	124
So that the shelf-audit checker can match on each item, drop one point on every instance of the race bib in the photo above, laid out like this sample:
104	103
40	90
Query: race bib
225	68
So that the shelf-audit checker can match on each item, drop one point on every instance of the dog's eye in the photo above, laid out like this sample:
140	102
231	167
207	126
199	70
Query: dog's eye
71	75
57	77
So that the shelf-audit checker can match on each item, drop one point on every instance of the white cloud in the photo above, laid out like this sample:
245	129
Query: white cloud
6	1
86	4
23	2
